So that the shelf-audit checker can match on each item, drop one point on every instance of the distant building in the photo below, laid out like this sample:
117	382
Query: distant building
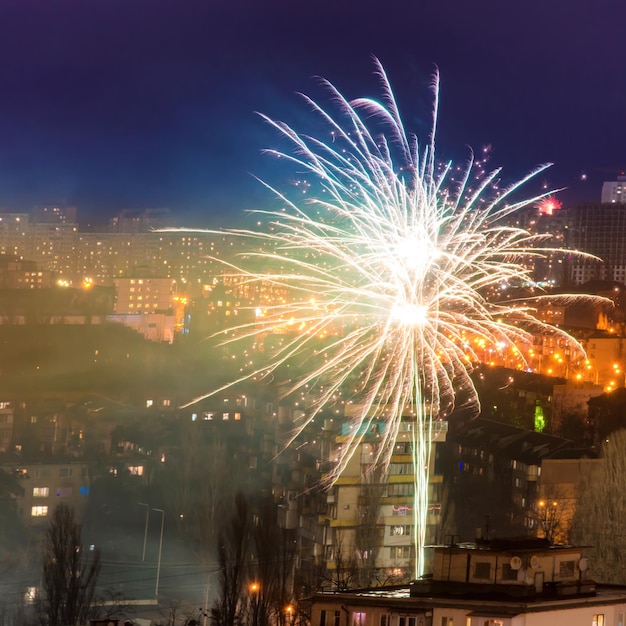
614	191
6	425
141	220
54	214
491	477
16	273
599	230
143	295
606	359
160	327
559	492
48	484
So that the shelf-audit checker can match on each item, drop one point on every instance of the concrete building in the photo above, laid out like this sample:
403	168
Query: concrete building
600	230
48	484
614	191
558	494
143	295
492	474
15	273
372	515
506	583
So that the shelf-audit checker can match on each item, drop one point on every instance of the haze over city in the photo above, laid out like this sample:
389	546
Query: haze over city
386	385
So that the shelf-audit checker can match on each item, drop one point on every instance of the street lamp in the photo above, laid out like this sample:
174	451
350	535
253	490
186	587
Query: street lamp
549	518
290	612
162	512
145	530
254	589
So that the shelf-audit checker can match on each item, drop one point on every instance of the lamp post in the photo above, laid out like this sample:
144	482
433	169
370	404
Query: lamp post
162	512
254	589
290	613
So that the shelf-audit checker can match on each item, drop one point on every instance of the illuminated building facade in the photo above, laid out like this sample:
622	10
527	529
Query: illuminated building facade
46	485
58	246
372	515
144	295
598	229
16	273
614	191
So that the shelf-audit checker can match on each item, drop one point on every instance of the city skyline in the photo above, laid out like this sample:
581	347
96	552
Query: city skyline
151	104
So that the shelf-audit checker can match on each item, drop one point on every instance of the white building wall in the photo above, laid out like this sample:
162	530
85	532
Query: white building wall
583	616
614	191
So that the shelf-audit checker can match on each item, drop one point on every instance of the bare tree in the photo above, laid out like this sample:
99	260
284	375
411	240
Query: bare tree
232	553
369	528
69	574
274	551
201	481
600	512
175	616
344	574
554	515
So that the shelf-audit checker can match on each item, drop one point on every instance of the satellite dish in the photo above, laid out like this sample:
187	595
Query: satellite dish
515	562
534	562
583	564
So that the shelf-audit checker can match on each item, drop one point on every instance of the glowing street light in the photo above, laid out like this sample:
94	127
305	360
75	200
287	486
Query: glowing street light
254	588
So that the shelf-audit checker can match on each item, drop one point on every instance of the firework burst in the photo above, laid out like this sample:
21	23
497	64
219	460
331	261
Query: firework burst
395	263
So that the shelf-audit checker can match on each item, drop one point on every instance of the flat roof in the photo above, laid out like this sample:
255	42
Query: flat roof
399	598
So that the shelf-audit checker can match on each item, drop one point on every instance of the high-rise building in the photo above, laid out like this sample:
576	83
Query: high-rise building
598	230
373	517
614	191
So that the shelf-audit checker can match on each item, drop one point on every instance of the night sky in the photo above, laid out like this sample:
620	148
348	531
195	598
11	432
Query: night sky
110	104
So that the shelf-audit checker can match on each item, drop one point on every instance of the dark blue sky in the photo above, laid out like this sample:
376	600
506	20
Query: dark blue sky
108	104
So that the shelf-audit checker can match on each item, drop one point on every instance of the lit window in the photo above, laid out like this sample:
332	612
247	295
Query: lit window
40	492
149	403
400	552
39	511
136	470
358	619
598	620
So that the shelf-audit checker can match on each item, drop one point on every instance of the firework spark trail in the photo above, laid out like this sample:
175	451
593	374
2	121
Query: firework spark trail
402	263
